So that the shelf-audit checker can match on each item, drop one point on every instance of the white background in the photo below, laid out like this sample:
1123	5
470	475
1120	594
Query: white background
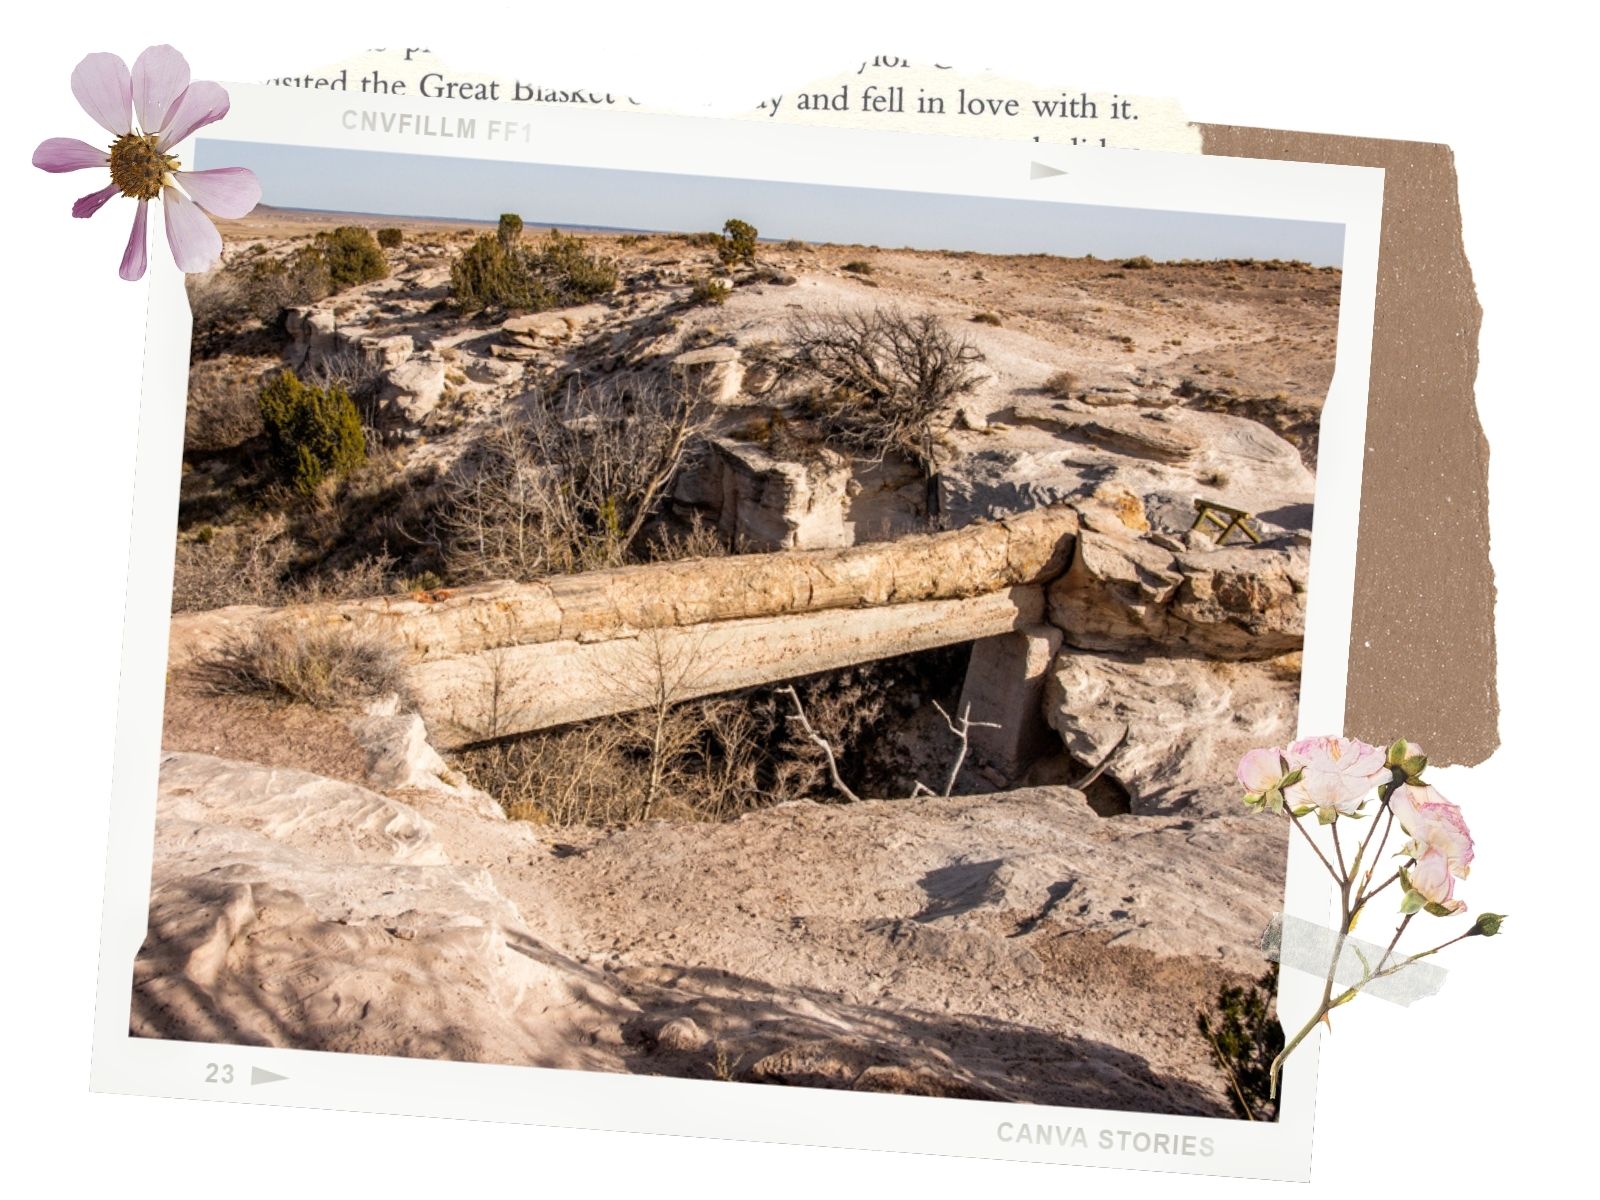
1486	1086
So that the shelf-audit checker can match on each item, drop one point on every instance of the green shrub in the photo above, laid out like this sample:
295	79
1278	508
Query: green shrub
303	277
256	288
510	230
314	432
857	266
1143	263
707	290
1245	1037
390	238
352	256
495	272
985	318
738	243
572	274
490	274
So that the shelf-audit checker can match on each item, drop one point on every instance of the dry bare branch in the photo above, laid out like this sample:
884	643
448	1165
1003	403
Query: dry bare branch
1099	768
568	484
962	729
882	377
821	743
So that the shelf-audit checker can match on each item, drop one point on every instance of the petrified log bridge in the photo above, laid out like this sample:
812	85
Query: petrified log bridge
505	658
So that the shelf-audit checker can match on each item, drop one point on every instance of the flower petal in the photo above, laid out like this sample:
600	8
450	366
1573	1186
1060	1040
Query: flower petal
1431	878
223	192
68	154
136	256
1336	773
160	75
101	84
1260	770
194	240
87	206
1434	824
201	103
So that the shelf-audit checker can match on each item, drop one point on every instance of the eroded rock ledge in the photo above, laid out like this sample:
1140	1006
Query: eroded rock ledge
914	946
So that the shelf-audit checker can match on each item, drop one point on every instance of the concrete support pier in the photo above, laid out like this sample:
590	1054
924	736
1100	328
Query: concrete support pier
1005	684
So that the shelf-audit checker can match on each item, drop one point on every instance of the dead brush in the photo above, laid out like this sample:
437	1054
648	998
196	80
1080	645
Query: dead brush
1062	384
879	380
245	566
323	666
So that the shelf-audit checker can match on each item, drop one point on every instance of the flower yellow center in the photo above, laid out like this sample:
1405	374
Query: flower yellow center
137	167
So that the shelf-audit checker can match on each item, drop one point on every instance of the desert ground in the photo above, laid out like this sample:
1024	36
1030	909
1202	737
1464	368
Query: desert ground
476	741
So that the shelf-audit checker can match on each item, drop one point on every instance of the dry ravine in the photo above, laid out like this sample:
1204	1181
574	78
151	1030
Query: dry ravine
404	872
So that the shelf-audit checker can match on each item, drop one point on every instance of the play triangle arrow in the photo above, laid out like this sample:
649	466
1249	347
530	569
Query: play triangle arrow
1038	170
257	1075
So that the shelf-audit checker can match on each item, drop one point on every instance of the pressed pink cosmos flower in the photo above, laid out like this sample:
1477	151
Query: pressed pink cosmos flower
168	109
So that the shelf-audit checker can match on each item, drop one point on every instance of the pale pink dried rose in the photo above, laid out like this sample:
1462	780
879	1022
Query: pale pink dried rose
1431	878
168	108
1440	843
1336	774
1261	769
1436	826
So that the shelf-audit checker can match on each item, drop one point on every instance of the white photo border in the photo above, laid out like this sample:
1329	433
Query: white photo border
1350	196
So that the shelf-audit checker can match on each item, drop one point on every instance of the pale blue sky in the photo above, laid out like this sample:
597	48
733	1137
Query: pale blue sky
416	185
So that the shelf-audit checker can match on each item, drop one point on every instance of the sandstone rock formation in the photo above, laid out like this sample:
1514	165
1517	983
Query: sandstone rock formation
962	947
414	388
1186	720
399	757
539	329
1186	650
1125	593
762	503
713	374
1034	454
310	915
